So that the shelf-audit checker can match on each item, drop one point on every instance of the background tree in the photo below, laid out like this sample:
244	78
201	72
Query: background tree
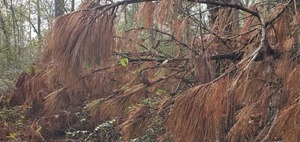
59	7
22	26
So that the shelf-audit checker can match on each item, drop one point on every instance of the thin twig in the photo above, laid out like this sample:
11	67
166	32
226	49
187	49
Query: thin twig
272	127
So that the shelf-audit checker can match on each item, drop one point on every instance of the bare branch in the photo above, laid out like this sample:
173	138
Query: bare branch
223	4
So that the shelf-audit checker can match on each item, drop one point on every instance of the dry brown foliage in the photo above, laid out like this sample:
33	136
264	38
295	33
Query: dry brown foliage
164	7
78	39
138	121
248	101
287	124
133	90
243	105
145	14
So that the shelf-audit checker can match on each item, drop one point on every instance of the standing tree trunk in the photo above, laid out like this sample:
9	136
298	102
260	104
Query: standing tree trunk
3	27
14	26
59	7
38	19
72	5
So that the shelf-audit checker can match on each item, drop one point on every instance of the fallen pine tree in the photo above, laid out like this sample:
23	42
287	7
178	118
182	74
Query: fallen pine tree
94	84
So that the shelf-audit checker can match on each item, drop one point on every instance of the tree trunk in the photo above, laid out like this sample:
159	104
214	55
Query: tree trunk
59	7
6	39
72	5
38	19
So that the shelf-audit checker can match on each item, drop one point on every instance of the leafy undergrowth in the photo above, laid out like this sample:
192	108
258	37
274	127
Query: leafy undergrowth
15	126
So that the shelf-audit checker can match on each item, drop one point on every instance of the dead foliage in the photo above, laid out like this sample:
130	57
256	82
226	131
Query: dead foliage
136	124
79	39
287	124
192	97
244	105
145	14
134	90
164	7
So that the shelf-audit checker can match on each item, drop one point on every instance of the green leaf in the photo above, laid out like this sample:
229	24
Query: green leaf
124	61
161	91
38	130
12	135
